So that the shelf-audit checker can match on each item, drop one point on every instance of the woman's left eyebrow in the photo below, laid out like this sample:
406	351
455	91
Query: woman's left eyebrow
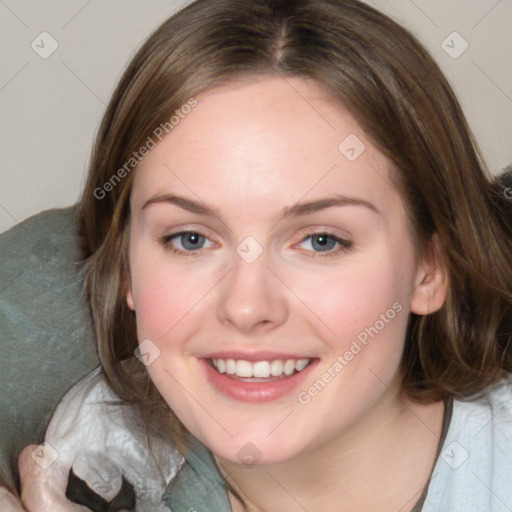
295	210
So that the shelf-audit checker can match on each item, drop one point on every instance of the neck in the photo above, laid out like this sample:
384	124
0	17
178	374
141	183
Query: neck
382	462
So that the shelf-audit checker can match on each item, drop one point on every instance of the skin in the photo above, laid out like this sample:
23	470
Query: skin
248	150
42	490
253	148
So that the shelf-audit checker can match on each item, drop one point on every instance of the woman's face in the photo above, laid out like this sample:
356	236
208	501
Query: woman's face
263	280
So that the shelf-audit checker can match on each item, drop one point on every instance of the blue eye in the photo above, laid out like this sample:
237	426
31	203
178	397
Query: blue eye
192	242
325	242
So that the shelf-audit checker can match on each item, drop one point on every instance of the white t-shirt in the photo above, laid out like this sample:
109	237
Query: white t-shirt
474	470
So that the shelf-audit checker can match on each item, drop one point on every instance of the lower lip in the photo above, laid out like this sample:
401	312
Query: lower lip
255	391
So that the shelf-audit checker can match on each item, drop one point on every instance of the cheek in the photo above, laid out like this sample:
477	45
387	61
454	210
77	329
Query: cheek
354	299
154	305
163	294
366	308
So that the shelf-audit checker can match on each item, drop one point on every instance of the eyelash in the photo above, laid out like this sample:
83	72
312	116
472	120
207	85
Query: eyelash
344	244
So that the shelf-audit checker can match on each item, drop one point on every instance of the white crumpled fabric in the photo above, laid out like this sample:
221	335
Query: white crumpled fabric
104	442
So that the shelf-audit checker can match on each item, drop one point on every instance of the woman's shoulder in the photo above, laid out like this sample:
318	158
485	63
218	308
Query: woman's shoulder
474	469
493	404
483	426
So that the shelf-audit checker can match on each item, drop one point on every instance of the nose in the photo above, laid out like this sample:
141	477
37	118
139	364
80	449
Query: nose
252	298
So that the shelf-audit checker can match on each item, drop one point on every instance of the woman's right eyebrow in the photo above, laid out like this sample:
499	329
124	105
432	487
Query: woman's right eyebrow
295	210
182	202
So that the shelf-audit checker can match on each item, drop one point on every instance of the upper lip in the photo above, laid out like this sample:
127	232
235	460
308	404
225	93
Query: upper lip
253	356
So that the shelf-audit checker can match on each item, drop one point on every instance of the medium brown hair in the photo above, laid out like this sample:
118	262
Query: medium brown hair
385	78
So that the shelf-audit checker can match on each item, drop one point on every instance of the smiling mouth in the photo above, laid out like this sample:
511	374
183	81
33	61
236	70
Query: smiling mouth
259	371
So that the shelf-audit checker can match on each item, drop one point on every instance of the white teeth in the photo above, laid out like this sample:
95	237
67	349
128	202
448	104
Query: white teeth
301	364
276	368
230	366
289	367
243	368
259	369
221	365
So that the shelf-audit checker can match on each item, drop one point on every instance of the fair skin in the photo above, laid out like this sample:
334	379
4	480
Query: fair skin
248	150
253	148
42	490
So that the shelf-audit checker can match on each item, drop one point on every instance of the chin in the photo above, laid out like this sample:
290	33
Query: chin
247	451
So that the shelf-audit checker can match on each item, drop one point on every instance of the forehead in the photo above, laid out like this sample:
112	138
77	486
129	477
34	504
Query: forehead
270	138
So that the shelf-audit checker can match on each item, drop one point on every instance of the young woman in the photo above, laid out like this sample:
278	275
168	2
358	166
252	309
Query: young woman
288	221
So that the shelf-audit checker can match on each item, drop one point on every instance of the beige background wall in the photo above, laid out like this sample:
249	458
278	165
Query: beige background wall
51	107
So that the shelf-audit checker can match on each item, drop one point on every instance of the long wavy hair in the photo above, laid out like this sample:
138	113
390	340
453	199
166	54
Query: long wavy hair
384	77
